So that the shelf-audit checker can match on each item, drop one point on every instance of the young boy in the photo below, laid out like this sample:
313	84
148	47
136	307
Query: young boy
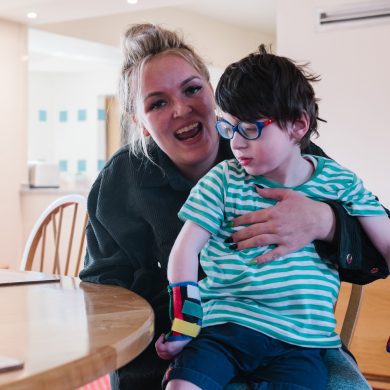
268	321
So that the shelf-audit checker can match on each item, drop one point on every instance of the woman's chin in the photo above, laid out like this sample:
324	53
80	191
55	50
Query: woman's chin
199	154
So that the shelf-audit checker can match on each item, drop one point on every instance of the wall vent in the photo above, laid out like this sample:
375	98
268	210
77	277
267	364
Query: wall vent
355	13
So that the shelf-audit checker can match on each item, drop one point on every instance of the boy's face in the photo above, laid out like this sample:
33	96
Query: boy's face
270	155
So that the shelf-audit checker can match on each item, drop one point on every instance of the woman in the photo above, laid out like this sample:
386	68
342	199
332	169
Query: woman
168	110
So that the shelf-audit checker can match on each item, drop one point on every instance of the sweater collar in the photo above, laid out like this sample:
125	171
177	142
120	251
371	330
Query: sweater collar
162	171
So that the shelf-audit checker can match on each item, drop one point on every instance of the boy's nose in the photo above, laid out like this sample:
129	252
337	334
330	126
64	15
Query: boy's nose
238	141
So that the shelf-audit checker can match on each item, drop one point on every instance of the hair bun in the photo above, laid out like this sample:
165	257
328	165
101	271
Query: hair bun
142	40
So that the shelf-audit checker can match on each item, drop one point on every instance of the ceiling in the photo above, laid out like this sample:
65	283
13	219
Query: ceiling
254	14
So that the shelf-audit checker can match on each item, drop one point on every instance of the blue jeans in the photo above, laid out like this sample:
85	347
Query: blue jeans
223	352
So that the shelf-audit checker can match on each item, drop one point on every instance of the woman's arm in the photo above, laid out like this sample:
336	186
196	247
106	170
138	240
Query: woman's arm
118	238
105	261
358	260
295	221
292	223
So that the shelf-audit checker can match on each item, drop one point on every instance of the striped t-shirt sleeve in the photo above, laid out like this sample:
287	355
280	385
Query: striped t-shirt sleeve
358	201
205	204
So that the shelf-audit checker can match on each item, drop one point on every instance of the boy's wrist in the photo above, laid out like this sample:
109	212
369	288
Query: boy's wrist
185	311
169	337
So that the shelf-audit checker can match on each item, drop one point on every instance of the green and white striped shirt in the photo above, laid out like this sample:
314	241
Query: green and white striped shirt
291	298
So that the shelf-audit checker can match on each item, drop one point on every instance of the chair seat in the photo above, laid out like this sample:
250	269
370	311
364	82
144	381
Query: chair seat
343	372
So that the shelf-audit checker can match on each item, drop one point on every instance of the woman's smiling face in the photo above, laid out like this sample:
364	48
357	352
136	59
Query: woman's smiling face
176	108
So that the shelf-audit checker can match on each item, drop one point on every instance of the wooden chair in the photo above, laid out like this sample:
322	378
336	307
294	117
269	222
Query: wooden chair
353	305
56	242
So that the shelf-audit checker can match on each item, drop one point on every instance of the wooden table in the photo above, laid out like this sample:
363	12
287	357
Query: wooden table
68	332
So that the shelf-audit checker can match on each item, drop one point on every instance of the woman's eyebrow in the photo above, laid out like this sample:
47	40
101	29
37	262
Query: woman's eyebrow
184	82
188	79
151	94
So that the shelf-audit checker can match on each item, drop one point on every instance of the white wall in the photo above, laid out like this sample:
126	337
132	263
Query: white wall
355	89
56	139
219	43
13	169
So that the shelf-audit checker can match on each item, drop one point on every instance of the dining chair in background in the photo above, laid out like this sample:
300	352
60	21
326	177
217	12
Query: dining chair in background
56	245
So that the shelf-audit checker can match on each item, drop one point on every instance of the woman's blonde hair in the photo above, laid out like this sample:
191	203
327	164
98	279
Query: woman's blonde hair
140	44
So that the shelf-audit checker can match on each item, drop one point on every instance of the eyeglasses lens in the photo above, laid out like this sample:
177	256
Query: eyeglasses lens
225	129
248	130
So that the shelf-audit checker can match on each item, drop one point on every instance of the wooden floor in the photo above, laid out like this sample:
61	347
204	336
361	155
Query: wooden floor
372	332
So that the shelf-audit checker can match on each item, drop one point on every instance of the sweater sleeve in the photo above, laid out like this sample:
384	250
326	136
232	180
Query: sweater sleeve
357	259
105	262
118	251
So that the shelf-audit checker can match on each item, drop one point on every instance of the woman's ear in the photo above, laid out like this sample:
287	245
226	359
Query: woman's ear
145	132
139	124
300	127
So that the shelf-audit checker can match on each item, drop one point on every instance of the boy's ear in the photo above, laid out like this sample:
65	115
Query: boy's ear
300	127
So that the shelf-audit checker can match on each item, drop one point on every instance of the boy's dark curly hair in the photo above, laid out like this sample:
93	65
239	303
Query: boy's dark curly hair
264	85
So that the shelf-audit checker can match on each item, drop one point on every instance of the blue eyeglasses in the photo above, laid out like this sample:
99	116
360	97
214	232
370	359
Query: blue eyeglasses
247	130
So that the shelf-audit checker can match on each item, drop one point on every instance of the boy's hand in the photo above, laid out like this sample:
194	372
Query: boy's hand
167	350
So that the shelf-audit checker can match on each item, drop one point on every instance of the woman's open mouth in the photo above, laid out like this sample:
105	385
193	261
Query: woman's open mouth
189	132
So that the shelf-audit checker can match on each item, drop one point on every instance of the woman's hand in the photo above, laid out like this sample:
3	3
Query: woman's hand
292	223
167	350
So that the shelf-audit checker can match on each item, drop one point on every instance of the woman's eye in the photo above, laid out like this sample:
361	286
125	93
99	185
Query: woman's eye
193	90
157	104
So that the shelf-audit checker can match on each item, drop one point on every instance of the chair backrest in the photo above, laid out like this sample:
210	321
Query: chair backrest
351	308
59	234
